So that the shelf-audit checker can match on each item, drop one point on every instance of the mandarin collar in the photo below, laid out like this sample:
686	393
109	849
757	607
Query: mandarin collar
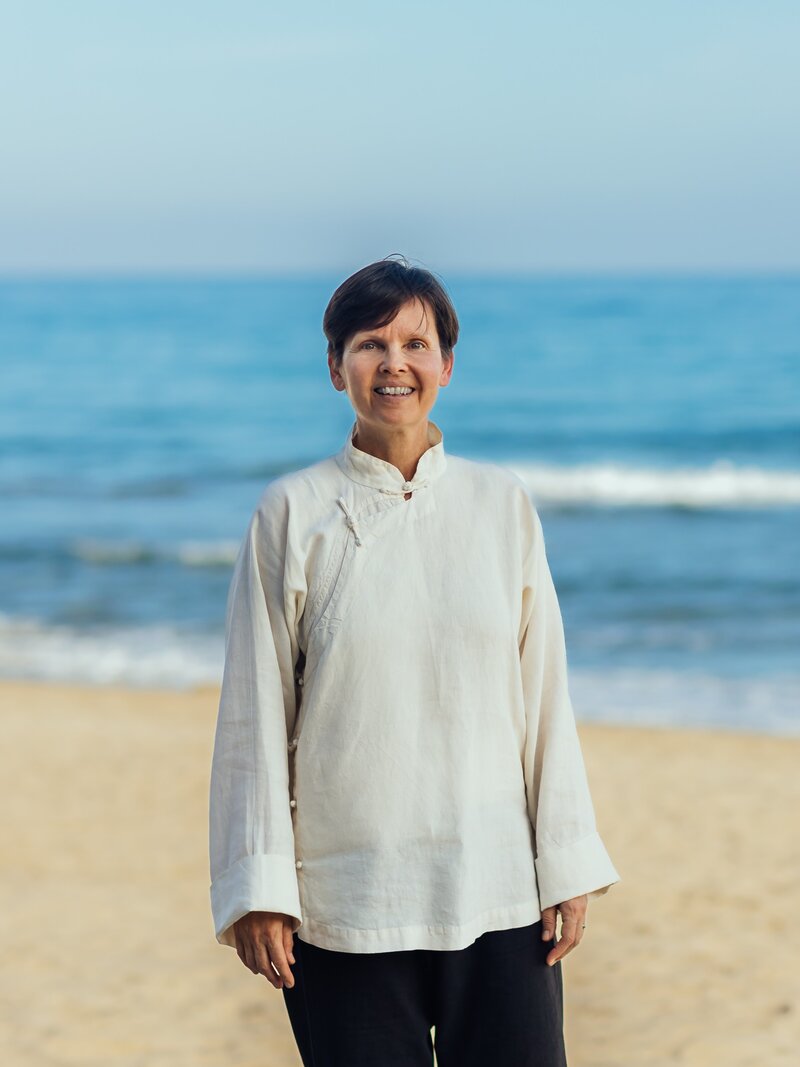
366	469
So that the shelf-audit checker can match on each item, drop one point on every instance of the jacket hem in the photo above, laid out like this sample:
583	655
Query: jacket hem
425	936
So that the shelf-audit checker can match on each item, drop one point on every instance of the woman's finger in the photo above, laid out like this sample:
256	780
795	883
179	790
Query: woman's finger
249	956
264	965
548	922
580	929
567	941
239	945
288	943
277	955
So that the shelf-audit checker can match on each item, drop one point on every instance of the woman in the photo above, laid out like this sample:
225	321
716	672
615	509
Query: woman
399	805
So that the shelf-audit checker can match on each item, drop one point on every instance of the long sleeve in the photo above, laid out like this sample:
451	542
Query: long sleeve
251	838
570	858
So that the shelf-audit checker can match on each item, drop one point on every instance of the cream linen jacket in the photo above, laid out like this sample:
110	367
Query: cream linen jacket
396	763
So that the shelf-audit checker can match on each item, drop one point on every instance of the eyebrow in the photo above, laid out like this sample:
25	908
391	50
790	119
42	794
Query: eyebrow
367	336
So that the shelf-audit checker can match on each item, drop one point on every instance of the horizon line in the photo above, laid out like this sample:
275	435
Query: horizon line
312	273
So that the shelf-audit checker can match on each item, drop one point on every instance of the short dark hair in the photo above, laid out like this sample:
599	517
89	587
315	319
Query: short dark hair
372	296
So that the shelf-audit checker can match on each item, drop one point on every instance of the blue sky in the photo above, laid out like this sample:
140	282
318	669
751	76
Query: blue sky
240	136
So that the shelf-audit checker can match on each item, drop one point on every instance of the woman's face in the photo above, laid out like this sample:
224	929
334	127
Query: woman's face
404	352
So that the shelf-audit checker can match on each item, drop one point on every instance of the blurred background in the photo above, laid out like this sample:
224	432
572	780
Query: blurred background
610	196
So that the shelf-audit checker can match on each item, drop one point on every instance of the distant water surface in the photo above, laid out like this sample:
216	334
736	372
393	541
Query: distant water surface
656	421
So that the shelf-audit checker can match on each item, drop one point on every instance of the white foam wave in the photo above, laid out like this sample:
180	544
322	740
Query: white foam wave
720	484
188	553
207	554
163	656
649	697
157	655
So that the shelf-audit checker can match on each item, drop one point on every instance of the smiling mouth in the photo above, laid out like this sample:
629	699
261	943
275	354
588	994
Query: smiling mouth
391	396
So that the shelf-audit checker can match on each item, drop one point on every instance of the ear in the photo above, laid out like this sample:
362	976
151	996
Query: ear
447	367
337	379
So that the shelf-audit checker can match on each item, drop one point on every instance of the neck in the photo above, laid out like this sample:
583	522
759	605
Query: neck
402	446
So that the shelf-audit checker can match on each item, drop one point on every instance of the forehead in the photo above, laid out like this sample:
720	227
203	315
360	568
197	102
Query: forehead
415	316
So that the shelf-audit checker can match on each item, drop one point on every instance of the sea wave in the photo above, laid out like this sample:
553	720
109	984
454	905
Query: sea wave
721	484
639	696
110	552
170	657
156	655
186	553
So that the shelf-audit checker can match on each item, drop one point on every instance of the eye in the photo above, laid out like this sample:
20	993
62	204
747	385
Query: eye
365	344
418	343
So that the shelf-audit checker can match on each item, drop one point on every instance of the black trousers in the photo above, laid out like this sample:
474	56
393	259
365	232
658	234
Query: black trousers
494	1002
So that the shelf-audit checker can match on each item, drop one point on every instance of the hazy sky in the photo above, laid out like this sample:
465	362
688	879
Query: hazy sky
511	135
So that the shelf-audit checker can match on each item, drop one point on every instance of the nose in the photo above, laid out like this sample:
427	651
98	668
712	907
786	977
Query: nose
393	356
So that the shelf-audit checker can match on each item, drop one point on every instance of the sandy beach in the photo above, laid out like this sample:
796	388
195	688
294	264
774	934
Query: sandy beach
108	946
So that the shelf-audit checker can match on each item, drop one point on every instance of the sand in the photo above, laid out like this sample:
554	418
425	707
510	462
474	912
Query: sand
109	955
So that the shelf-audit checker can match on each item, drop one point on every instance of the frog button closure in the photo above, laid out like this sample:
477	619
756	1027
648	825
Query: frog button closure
349	518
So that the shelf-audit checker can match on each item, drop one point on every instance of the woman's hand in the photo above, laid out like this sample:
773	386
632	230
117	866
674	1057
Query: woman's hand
573	917
264	943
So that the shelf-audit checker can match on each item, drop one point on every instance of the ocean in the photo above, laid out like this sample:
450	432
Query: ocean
655	420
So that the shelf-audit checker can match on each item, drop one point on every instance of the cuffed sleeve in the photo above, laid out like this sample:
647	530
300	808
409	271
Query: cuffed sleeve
251	838
570	859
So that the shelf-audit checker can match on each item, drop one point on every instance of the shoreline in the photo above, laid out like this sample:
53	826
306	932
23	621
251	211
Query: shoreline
689	959
205	691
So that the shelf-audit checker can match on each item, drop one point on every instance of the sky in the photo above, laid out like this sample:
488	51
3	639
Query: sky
571	136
